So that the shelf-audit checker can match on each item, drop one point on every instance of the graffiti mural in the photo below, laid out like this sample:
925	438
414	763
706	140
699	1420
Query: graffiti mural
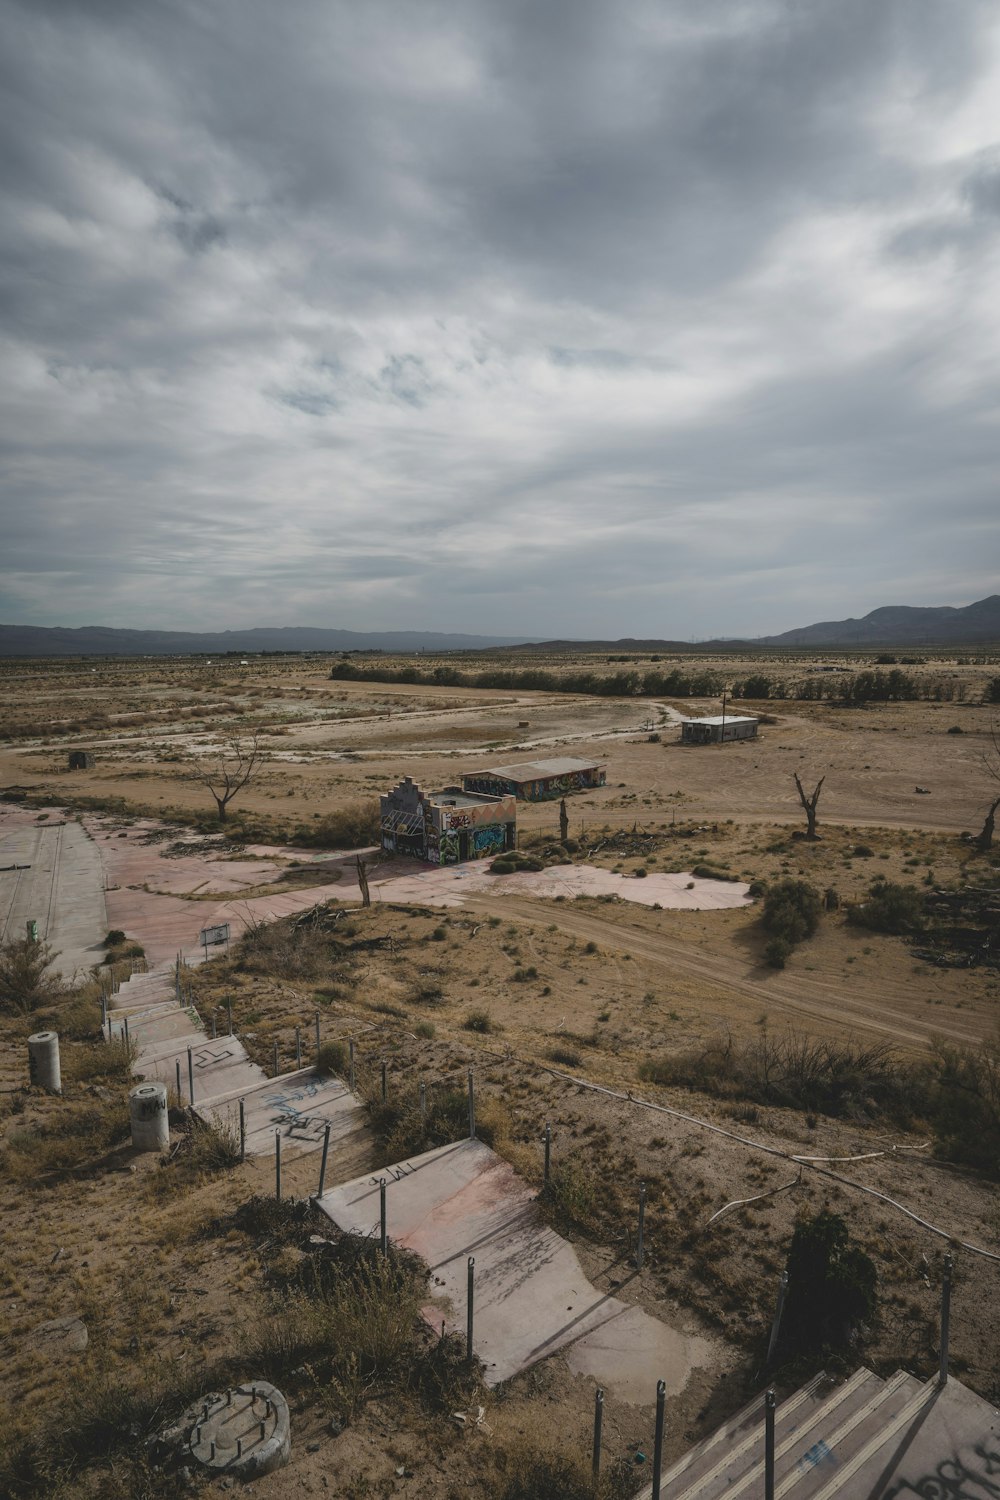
486	841
448	853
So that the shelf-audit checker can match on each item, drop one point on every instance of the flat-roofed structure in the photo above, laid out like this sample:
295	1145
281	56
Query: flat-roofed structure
537	780
449	826
718	728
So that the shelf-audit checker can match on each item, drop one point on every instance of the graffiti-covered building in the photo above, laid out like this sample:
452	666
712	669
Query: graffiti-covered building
537	780
449	826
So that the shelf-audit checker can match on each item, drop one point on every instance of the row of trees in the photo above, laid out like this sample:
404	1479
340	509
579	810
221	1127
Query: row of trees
852	689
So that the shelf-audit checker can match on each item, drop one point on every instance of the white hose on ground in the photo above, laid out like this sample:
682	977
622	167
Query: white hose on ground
742	1202
679	1114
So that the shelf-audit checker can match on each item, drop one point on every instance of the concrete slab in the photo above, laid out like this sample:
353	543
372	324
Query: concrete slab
531	1295
52	874
298	1106
951	1446
220	1067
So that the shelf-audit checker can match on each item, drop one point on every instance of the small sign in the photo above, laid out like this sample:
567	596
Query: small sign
218	934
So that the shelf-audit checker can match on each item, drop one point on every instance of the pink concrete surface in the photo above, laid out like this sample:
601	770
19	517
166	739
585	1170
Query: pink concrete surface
532	1298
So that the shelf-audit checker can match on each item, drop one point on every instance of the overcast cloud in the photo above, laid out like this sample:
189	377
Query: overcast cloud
511	316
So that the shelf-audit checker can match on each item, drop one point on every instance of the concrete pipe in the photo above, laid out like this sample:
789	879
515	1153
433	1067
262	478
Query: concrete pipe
43	1061
148	1111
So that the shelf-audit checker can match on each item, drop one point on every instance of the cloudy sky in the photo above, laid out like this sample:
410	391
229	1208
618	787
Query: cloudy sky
577	317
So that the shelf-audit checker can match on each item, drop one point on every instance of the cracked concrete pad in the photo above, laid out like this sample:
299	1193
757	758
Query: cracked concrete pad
531	1295
299	1105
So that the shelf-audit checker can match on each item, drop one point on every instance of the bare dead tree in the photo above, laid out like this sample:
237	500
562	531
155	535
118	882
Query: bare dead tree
366	896
234	764
563	821
809	803
991	761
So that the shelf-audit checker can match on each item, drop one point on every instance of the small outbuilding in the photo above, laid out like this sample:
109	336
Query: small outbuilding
446	827
718	729
537	780
81	760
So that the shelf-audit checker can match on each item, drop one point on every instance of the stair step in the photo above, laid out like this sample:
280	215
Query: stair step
842	1482
807	1468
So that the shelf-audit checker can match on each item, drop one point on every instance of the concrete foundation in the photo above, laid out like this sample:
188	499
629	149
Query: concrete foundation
148	1112
43	1061
243	1432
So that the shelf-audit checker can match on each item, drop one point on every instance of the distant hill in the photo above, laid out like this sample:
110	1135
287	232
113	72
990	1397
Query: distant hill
902	625
98	640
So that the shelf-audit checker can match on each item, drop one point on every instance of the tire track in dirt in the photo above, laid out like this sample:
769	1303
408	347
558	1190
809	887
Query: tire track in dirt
818	1000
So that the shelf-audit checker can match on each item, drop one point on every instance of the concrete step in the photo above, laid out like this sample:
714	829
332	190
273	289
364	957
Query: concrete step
299	1106
153	1030
731	1460
836	1435
880	1449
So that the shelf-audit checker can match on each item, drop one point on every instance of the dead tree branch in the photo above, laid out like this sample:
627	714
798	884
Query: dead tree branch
235	764
809	803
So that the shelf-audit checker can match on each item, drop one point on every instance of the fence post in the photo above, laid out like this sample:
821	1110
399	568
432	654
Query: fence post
470	1306
322	1164
423	1104
243	1132
595	1467
945	1319
298	1048
350	1065
769	1404
318	1044
776	1325
472	1107
661	1400
639	1250
385	1085
191	1075
274	1068
277	1165
229	1008
180	1097
215	1029
548	1154
383	1232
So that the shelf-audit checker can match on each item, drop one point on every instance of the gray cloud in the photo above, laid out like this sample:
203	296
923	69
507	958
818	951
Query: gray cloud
657	318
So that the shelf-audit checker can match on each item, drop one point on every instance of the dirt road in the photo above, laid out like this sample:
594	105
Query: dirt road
824	1001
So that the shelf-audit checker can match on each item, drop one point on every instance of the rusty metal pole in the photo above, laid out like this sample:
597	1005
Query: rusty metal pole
945	1319
639	1248
318	1042
595	1467
470	1306
548	1154
298	1049
191	1075
661	1401
243	1132
769	1405
274	1069
177	1067
229	1008
383	1235
350	1065
423	1104
472	1107
277	1165
322	1164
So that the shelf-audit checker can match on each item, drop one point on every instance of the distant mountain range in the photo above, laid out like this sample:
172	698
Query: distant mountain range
903	625
98	640
893	625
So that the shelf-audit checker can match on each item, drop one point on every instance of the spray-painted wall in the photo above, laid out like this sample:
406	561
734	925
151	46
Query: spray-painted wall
544	789
446	827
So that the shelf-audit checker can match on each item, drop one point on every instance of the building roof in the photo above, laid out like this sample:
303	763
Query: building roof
453	796
727	719
537	770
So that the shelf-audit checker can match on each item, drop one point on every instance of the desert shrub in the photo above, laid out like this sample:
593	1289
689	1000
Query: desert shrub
831	898
777	952
955	729
568	1057
481	1021
354	827
25	981
425	1029
889	908
712	872
81	1132
513	861
332	1058
280	949
831	1286
965	1104
103	1061
212	1147
862	851
791	912
573	1193
523	1471
114	938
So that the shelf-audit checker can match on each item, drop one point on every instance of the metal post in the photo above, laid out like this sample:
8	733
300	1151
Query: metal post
298	1048
322	1163
472	1107
776	1325
383	1233
470	1306
769	1404
229	1008
274	1069
191	1074
126	1033
317	1034
595	1468
104	1012
548	1153
423	1104
215	1029
350	1065
661	1401
642	1224
277	1165
178	1068
243	1132
385	1086
945	1319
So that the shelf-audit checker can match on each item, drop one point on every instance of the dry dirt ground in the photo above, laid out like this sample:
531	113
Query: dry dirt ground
544	998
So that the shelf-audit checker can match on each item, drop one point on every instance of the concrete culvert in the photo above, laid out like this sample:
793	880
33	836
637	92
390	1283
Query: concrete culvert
148	1112
43	1061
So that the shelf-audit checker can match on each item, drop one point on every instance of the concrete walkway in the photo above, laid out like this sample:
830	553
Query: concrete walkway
531	1295
51	873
